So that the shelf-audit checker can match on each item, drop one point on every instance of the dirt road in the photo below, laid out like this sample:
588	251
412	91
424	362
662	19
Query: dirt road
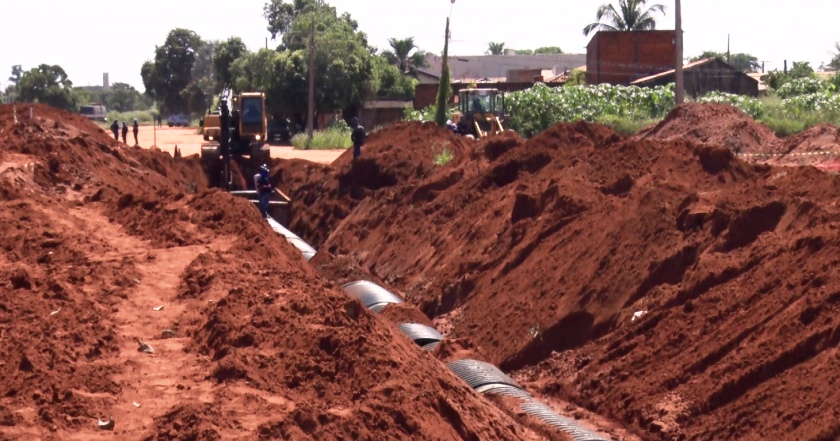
190	144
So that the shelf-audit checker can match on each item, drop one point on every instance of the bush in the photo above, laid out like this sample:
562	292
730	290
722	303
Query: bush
329	139
533	110
143	117
803	86
427	114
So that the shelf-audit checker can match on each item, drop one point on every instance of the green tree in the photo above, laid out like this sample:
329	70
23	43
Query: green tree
577	77
744	62
835	61
524	52
548	50
170	72
391	83
777	78
226	53
199	92
632	17
281	15
123	98
402	56
495	48
47	85
443	84
17	73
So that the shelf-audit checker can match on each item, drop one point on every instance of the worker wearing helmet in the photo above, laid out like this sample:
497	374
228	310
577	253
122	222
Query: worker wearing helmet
125	132
263	186
358	137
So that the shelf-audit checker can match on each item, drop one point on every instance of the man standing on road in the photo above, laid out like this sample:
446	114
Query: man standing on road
358	137
263	187
159	121
115	127
125	133
136	131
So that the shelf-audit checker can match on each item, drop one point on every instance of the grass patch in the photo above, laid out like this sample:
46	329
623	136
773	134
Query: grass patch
442	154
143	117
627	126
329	139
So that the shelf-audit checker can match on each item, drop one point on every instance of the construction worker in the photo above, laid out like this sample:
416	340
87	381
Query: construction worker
136	131
125	132
115	127
358	137
263	186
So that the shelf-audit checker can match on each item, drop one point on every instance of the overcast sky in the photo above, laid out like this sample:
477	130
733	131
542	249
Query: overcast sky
89	37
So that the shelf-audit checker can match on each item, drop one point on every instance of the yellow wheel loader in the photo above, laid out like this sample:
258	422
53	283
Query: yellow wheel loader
481	112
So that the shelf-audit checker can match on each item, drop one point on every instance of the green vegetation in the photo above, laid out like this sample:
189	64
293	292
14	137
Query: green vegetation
540	50
330	139
442	154
143	117
168	76
577	77
120	97
798	105
401	55
47	85
742	62
443	84
633	17
495	48
534	110
427	114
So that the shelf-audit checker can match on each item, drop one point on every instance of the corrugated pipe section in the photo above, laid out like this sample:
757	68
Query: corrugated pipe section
305	249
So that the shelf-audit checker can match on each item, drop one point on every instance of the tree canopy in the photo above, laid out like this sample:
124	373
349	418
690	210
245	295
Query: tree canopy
743	62
171	71
226	53
548	50
495	48
777	78
47	85
402	56
631	15
835	61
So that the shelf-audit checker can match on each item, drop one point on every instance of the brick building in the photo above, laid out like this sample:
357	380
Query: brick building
624	57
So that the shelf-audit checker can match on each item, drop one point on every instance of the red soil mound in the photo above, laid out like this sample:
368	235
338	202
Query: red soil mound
716	125
102	231
324	195
551	247
815	146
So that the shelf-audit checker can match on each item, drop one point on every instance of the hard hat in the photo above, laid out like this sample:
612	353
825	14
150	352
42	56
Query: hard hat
264	168
354	120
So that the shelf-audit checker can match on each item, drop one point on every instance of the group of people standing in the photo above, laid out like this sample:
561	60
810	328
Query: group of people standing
115	127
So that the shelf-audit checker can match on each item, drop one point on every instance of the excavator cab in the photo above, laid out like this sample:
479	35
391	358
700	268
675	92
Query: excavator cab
238	128
480	112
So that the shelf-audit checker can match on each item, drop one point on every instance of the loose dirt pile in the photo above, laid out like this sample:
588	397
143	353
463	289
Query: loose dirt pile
106	245
542	252
715	124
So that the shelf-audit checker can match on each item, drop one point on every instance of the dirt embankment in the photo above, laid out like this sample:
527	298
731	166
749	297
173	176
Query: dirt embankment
106	245
541	252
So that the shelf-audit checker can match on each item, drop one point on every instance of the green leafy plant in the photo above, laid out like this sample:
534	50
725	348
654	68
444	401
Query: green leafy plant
442	154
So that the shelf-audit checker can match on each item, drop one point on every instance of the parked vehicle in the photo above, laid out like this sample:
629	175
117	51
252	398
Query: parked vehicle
278	131
178	120
96	112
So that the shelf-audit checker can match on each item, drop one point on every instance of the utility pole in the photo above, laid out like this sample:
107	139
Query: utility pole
727	48
678	68
310	119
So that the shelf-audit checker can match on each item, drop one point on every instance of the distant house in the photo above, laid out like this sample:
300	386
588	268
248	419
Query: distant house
507	73
614	57
497	66
704	76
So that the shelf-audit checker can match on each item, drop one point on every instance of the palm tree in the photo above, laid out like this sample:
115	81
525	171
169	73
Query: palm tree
633	17
400	54
496	48
835	62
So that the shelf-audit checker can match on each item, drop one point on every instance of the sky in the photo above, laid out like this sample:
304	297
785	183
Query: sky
89	37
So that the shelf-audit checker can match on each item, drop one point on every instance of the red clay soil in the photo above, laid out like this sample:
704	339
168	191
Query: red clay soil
542	251
715	124
324	195
819	145
249	342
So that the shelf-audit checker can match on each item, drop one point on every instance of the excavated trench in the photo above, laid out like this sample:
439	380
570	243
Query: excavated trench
482	377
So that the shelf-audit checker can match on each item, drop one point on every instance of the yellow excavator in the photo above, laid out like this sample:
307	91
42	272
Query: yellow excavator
238	128
480	112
